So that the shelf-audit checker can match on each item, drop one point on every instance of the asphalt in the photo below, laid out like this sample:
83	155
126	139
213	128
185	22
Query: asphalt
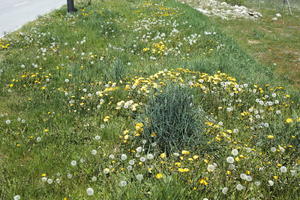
15	13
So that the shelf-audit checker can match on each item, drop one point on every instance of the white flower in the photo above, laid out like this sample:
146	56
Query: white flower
44	179
150	156
234	152
67	80
225	190
111	156
17	197
273	149
142	159
8	122
239	187
97	137
129	168
49	181
94	152
131	162
271	183
123	157
243	176
38	139
106	171
293	172
283	169
257	183
211	168
139	149
122	183
230	159
90	191
139	177
249	178
69	176
205	199
94	178
73	163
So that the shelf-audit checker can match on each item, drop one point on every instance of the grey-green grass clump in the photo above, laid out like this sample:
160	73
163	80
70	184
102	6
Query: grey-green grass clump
173	120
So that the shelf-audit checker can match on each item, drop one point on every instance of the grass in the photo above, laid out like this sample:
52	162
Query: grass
75	88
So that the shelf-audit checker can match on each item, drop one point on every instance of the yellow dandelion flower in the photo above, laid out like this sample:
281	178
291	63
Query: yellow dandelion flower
182	170
159	176
289	120
106	118
163	155
270	137
184	152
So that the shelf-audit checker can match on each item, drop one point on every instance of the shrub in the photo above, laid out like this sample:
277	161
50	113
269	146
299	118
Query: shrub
173	121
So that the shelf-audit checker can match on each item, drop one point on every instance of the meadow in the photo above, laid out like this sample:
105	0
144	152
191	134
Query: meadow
134	99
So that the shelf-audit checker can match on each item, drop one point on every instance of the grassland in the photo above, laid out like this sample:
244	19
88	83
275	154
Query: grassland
80	94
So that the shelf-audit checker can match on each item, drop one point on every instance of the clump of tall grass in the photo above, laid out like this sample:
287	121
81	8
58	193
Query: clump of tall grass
173	121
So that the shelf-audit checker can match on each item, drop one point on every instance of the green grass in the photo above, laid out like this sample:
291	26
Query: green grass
63	81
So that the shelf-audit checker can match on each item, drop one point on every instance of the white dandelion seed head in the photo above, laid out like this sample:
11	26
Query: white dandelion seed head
273	149
243	176
239	187
139	149
142	159
123	157
44	179
234	152
150	156
225	190
257	183
131	162
69	176
17	197
38	139
122	183
283	169
50	181
94	178
111	156
73	163
106	171
90	191
8	122
249	178
230	160
97	137
139	177
211	168
94	152
270	182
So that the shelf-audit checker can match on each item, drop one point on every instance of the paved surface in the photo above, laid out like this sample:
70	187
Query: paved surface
15	13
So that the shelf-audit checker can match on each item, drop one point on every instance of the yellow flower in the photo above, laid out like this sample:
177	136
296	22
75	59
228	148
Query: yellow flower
139	126
289	120
163	155
178	164
203	181
195	157
159	175
183	170
106	118
275	177
44	175
270	137
184	152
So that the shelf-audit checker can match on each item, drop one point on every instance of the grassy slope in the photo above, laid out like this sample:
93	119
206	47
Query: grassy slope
65	134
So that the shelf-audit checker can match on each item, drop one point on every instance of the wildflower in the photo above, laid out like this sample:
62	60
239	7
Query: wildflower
94	178
159	176
225	190
289	120
230	159
90	191
184	152
235	152
203	181
271	183
94	152
283	169
8	122
44	179
106	171
182	170
38	139
239	187
273	149
163	155
97	137
123	157
211	168
17	197
49	181
73	163
139	149
131	162
122	183
106	118
69	176
150	156
257	183
270	137
139	177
